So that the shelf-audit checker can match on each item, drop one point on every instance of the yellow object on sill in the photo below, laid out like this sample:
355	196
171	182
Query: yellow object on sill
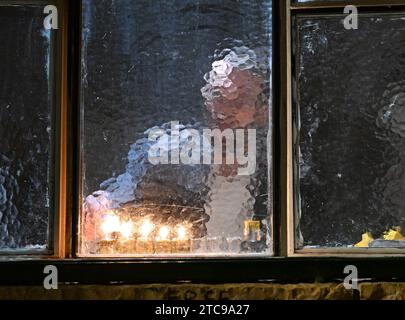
366	238
252	230
394	234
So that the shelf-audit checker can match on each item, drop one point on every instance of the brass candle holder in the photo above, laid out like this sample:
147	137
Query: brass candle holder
126	246
163	246
121	234
109	245
181	246
144	246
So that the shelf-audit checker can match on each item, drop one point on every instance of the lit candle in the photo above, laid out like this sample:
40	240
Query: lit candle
163	243
127	243
182	240
146	229
144	244
126	230
110	225
181	233
110	228
164	233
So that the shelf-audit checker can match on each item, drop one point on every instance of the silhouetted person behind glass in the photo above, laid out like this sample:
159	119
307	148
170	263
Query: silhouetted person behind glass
235	99
214	198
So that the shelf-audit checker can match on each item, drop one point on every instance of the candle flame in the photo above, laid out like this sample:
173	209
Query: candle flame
126	230
110	224
164	233
181	232
146	229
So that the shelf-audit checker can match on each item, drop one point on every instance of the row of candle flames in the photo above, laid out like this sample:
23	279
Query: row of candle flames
123	236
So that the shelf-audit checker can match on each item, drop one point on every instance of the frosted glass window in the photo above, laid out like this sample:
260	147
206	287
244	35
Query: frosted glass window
350	131
25	130
155	76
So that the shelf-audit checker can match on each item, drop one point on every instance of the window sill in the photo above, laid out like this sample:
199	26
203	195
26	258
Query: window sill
29	271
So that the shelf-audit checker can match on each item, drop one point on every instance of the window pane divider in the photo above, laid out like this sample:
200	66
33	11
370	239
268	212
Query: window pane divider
285	158
60	235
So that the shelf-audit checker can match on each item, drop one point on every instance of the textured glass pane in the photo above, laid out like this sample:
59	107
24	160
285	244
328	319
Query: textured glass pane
25	127
179	67
350	115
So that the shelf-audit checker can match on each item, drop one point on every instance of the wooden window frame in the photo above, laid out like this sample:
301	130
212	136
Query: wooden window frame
287	134
286	265
77	201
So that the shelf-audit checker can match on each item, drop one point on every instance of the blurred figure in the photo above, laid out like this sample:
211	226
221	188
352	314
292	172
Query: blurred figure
213	197
236	99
